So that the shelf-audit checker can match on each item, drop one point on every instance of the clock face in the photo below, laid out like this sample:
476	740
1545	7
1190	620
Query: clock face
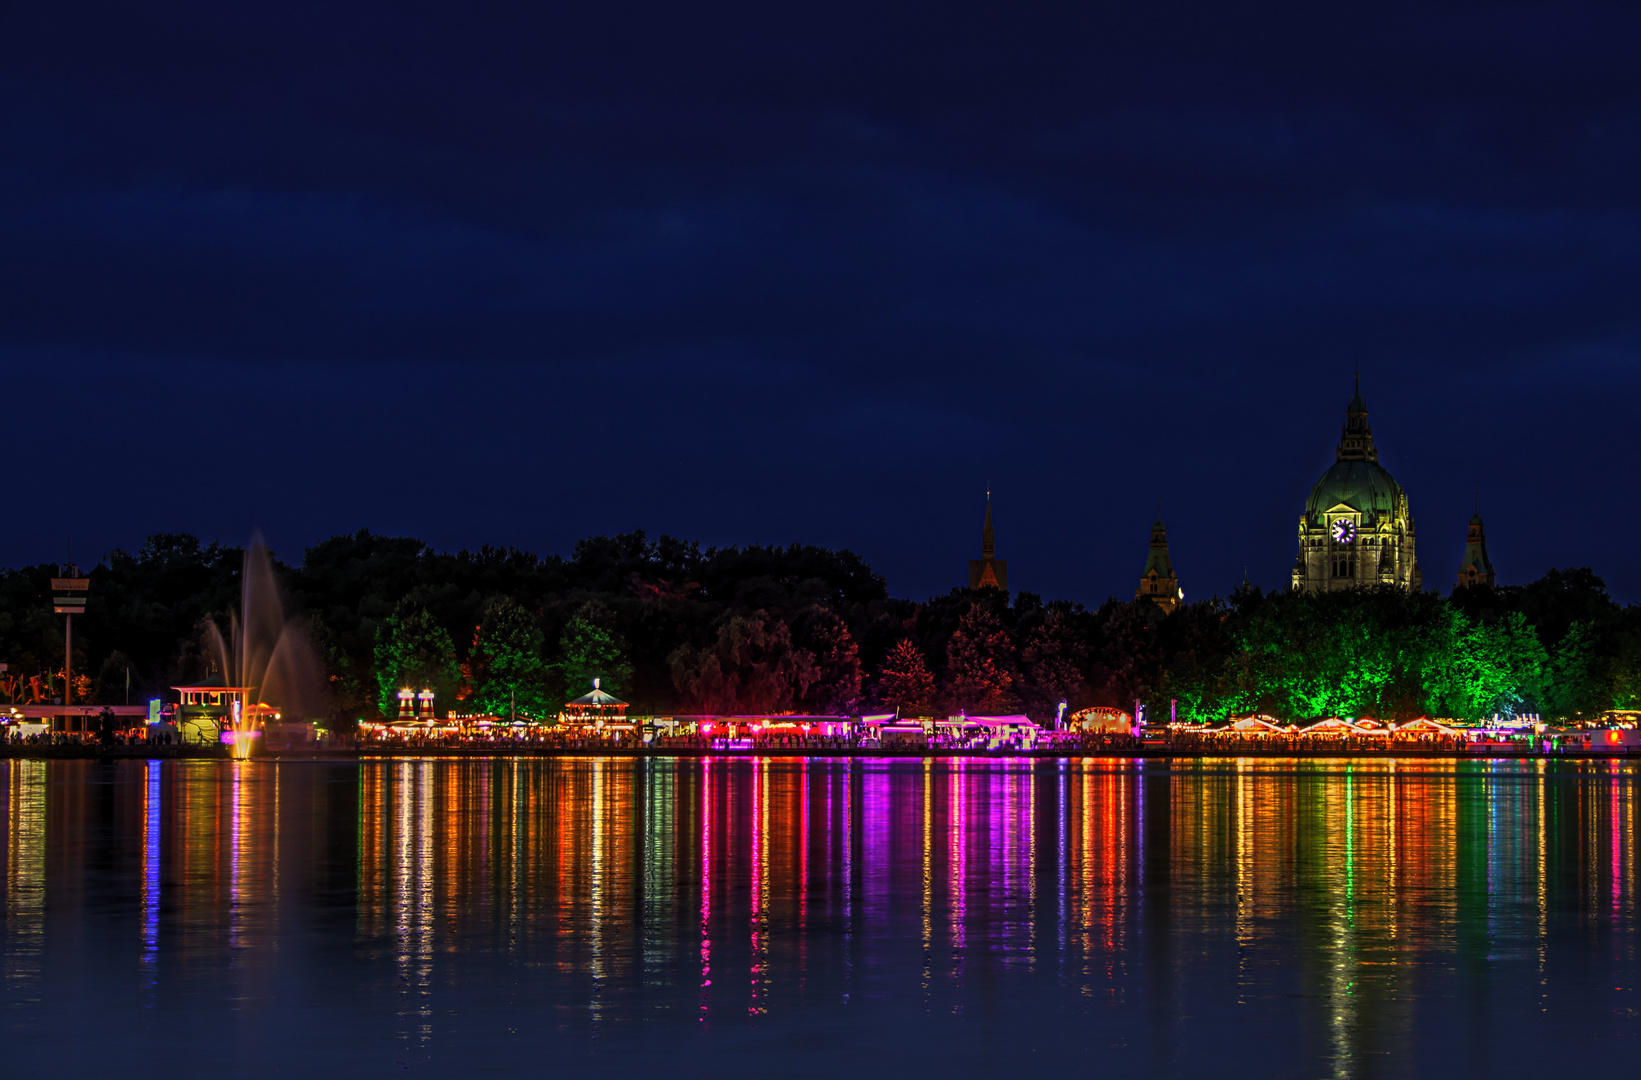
1344	530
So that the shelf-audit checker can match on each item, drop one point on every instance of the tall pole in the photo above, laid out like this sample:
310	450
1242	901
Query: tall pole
68	641
68	667
68	606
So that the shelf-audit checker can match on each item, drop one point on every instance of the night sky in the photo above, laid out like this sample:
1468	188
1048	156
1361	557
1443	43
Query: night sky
521	273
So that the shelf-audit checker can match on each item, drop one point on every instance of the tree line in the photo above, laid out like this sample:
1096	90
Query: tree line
673	628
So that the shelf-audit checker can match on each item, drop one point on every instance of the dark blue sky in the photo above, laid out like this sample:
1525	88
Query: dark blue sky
520	273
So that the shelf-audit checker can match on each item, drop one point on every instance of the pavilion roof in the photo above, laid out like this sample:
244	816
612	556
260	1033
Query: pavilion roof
597	698
1253	723
997	721
1425	723
1338	723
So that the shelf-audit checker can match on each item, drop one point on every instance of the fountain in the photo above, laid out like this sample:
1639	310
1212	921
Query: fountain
266	654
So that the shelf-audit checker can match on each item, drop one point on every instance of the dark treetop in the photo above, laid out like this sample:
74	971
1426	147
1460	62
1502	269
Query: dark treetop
669	626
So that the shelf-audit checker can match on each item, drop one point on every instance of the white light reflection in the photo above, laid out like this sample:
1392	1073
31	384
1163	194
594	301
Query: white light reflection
25	899
595	1002
413	901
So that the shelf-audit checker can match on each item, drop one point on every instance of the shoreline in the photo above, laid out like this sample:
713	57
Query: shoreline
350	754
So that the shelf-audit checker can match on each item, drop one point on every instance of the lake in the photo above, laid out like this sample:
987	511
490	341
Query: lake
821	917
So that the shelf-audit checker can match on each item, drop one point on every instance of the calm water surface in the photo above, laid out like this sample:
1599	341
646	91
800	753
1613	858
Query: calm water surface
819	918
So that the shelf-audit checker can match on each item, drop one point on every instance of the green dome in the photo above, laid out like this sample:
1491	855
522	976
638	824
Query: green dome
1361	485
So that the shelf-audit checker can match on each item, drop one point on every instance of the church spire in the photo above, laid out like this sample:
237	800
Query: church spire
988	571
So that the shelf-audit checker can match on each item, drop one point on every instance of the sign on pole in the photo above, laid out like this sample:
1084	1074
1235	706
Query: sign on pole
70	595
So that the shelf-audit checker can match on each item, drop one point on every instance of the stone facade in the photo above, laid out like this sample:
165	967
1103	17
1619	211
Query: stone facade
1356	529
1158	582
1476	568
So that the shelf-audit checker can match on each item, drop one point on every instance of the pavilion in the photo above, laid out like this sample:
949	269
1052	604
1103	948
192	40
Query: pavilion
595	709
204	712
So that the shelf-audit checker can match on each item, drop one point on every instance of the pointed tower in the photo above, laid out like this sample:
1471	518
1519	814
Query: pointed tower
1356	440
988	571
1157	580
1476	568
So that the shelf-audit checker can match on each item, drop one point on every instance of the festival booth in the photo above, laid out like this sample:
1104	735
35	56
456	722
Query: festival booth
1424	733
1366	733
674	729
802	729
775	731
1493	736
902	736
1237	733
891	732
869	732
1101	720
411	730
1017	732
1592	740
1260	726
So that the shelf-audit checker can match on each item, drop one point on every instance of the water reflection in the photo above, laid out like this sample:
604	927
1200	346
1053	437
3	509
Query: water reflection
1344	918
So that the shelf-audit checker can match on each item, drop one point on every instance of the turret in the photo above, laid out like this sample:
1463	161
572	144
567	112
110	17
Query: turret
988	571
1356	440
1475	568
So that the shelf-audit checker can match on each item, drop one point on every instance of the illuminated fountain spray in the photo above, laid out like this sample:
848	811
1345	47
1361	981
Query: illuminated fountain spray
266	655
240	731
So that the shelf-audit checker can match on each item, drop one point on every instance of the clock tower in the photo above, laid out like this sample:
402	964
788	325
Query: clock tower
1356	529
1157	581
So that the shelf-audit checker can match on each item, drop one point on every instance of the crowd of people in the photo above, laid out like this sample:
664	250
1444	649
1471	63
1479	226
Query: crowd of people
549	739
1210	742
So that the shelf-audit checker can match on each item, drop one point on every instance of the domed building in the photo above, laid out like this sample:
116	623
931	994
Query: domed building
1356	529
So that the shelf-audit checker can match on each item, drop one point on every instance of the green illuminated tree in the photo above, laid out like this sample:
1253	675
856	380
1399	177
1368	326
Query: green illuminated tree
506	667
413	652
1482	669
1623	681
1364	652
588	650
1576	687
